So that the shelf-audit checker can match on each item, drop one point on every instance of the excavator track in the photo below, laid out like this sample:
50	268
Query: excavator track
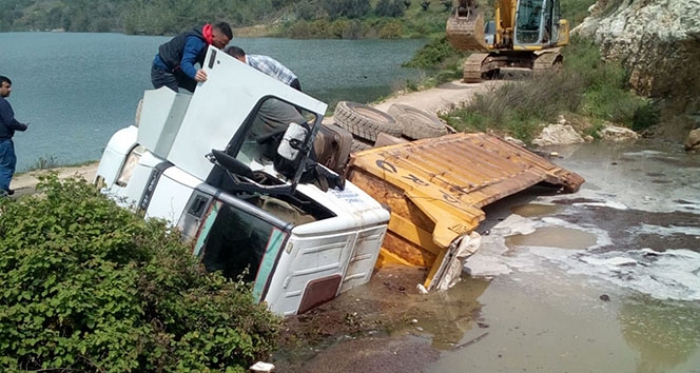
472	67
547	62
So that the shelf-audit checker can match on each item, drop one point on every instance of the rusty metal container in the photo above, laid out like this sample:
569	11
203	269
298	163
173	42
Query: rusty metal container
435	189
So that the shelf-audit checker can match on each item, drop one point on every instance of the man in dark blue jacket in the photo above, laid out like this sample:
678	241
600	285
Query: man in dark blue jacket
8	126
174	65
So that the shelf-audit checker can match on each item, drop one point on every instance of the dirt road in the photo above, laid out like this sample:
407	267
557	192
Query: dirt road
440	99
25	183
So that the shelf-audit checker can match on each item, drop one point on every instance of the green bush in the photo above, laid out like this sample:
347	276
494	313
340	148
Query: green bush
433	54
646	115
347	8
389	8
90	287
391	30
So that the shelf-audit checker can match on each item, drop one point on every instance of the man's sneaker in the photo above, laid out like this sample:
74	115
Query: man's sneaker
10	192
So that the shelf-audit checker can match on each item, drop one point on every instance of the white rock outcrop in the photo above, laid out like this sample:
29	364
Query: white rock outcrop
558	134
617	134
692	142
657	40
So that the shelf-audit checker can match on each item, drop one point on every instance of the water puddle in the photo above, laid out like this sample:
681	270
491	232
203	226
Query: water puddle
563	324
532	210
560	237
448	315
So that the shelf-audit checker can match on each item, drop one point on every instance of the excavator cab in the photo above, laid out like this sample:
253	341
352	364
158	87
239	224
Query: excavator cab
528	26
537	23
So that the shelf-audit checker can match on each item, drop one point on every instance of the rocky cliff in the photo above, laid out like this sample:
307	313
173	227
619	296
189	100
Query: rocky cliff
657	40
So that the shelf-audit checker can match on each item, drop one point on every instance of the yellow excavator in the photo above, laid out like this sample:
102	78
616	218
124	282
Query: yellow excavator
525	36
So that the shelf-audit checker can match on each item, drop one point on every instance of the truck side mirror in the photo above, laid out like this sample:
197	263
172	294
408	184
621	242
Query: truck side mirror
292	149
292	143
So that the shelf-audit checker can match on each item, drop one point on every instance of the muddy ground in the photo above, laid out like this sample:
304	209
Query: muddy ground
385	326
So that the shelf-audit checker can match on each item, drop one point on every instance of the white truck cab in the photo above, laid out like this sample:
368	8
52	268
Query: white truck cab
251	200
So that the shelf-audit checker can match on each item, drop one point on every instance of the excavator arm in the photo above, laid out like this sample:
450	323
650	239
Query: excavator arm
465	27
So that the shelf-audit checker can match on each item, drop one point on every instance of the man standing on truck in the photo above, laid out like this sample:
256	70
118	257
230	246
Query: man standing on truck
174	64
8	126
267	65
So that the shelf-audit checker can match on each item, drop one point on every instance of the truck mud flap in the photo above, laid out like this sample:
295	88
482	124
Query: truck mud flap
436	189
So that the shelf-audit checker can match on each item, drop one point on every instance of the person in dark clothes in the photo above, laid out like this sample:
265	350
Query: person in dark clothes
267	65
174	65
8	126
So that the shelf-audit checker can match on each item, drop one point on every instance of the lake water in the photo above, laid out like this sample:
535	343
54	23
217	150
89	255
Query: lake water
76	90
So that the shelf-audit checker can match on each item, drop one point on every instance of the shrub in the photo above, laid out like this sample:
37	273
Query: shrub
47	163
433	54
391	30
347	8
90	287
646	115
389	8
305	10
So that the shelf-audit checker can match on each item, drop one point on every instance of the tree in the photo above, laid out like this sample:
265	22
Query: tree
389	8
347	8
305	10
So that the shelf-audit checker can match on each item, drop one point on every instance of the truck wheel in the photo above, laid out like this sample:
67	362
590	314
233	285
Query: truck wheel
416	123
360	145
364	121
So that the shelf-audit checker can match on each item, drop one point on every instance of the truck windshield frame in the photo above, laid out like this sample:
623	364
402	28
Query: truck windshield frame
240	244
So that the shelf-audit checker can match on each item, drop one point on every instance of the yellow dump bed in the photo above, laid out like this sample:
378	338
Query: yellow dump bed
435	189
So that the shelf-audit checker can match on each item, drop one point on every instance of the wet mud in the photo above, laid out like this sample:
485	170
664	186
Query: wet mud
385	326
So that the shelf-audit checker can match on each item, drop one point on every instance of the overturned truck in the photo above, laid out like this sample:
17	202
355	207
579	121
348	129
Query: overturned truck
253	200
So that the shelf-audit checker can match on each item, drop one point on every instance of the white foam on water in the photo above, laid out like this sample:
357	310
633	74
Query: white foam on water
674	274
647	154
610	204
666	231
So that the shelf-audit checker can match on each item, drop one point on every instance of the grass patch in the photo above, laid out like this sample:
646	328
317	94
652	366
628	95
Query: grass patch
586	86
52	163
47	163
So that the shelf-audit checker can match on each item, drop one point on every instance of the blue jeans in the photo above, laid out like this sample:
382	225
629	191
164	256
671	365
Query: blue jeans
172	80
8	161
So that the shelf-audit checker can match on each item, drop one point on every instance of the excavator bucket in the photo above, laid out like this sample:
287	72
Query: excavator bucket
436	189
465	28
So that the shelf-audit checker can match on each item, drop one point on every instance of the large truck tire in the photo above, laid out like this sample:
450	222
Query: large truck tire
359	145
364	121
417	124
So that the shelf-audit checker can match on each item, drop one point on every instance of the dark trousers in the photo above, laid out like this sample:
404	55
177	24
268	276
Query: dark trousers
8	161
173	80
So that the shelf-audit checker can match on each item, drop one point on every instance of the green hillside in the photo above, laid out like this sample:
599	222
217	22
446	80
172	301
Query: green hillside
289	18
